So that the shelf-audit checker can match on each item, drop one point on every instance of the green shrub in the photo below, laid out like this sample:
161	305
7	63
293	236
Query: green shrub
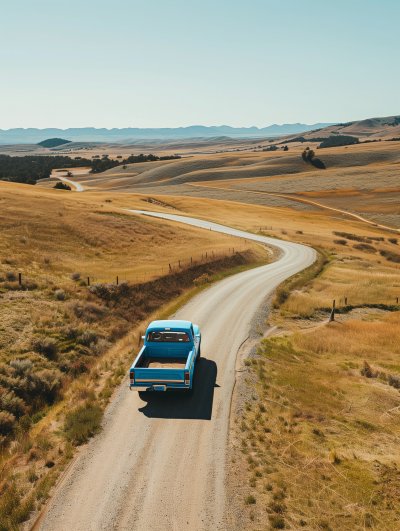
276	521
83	422
277	507
7	421
46	346
60	294
31	475
281	296
250	500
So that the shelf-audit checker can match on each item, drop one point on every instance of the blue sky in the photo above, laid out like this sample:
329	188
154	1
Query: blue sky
175	63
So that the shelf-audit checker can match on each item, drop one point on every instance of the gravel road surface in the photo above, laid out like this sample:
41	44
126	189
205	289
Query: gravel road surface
160	462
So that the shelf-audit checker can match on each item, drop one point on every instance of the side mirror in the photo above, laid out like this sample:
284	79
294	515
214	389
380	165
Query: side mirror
197	335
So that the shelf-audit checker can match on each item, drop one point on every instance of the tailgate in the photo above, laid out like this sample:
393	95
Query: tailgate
158	376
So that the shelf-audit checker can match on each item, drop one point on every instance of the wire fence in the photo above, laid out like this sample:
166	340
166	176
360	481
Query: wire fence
171	267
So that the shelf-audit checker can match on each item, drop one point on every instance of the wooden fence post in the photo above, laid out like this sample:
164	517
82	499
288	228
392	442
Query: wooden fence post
170	268
332	316
88	281
117	280
20	278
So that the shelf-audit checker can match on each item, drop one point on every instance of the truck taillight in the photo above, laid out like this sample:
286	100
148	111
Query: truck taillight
132	377
187	378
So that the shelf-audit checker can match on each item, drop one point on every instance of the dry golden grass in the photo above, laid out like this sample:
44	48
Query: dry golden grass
318	436
82	232
361	282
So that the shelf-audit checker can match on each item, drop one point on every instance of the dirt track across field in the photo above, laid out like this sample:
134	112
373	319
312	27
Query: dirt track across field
160	462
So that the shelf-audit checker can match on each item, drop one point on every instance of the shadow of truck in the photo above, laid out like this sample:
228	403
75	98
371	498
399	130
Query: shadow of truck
178	405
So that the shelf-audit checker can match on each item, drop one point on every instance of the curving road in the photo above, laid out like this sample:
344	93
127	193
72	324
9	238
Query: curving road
160	462
78	187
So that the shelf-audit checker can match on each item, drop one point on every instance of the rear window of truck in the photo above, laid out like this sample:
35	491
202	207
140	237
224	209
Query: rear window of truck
168	337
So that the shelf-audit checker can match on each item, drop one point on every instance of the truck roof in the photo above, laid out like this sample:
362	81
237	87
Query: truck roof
171	324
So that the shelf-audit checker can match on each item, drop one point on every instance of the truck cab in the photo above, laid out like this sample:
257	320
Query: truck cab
166	362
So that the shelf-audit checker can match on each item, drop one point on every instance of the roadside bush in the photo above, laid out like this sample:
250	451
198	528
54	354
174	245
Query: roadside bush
79	367
25	285
83	422
250	500
60	294
31	475
76	276
70	332
394	381
276	521
340	242
204	279
11	276
281	295
100	347
118	331
89	311
21	366
88	338
7	421
46	346
44	385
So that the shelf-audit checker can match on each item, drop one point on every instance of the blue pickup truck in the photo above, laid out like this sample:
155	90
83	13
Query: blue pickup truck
167	359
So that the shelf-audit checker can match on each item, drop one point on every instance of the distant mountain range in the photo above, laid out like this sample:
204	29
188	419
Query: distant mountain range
90	134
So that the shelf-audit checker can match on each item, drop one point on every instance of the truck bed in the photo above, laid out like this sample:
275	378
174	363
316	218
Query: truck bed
165	363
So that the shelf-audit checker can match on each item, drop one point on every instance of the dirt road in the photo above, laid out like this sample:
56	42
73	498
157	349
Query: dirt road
160	462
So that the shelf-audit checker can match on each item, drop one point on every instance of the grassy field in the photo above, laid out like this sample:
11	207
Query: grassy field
315	436
317	443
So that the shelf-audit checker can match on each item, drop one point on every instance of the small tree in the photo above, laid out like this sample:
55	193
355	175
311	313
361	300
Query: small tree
62	186
69	173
